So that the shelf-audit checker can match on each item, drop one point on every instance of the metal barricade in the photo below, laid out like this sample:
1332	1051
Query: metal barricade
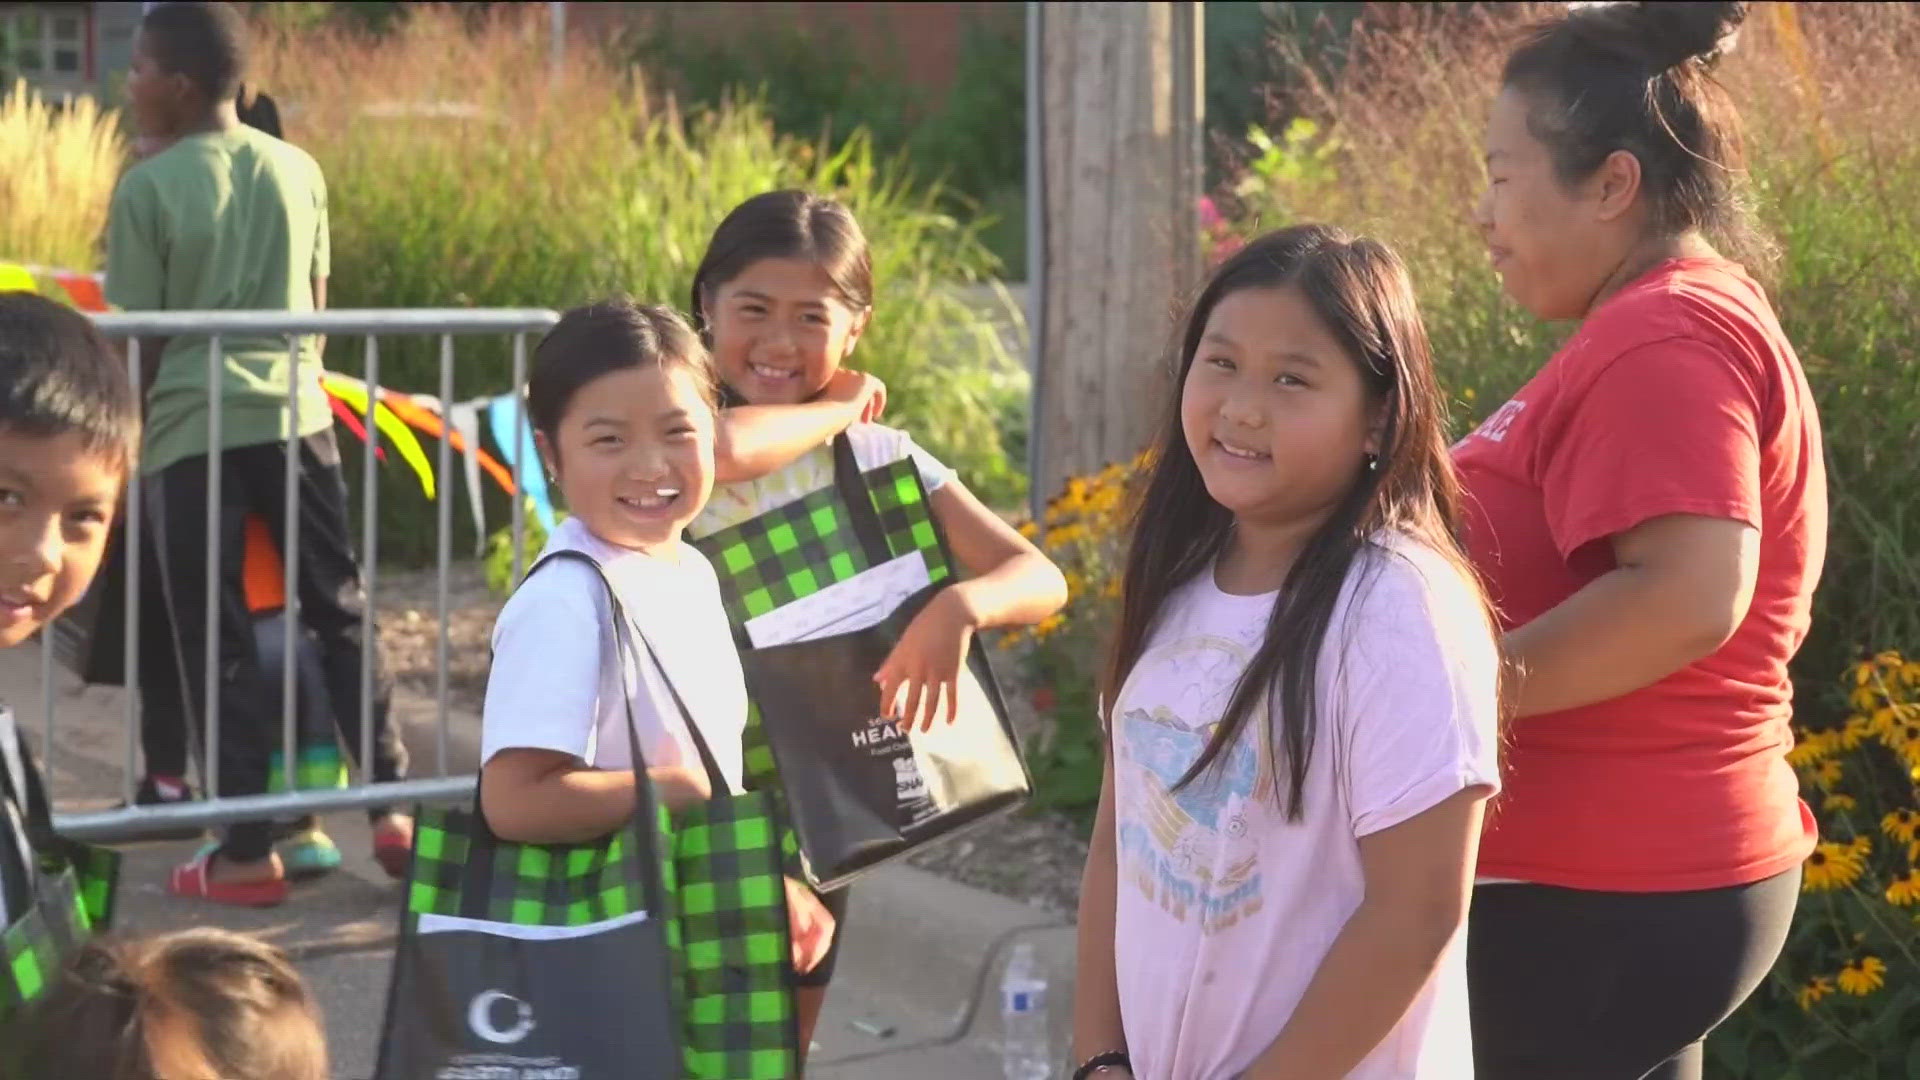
130	821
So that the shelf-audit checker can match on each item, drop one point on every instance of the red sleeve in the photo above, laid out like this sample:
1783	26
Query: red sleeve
1666	428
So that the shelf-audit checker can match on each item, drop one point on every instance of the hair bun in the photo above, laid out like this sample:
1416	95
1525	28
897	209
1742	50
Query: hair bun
1661	34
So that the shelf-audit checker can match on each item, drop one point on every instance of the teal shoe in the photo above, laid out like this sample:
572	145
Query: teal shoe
309	854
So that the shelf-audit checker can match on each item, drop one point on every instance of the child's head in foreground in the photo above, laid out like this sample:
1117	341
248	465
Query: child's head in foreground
201	1004
622	402
69	429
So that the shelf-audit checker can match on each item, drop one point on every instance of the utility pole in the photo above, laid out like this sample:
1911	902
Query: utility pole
1115	93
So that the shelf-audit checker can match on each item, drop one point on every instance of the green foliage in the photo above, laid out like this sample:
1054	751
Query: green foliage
462	172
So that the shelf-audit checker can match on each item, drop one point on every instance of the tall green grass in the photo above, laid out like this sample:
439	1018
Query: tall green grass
58	165
464	170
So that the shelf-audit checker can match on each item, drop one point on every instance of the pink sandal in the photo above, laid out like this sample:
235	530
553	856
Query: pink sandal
393	846
193	880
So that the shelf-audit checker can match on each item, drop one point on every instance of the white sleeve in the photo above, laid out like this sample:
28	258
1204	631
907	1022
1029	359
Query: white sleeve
875	445
544	689
1418	685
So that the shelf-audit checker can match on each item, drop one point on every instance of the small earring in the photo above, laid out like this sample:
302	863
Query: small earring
1373	462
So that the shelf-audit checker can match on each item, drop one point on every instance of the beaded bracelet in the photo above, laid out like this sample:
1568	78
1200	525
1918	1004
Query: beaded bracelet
1101	1062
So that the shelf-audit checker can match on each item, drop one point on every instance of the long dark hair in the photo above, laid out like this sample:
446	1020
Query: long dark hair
787	224
1359	289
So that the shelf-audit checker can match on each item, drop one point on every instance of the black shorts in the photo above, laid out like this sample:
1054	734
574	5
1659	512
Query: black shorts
836	903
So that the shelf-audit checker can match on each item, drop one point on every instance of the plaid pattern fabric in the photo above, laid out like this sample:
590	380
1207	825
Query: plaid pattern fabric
96	876
737	944
531	884
33	947
793	551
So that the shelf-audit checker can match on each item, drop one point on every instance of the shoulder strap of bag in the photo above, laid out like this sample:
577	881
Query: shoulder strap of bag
852	485
624	631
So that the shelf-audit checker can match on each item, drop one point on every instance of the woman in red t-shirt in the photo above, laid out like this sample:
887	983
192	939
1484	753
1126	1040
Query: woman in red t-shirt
1649	513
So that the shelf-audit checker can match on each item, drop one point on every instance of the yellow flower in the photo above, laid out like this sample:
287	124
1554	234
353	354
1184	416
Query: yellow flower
1905	892
1863	976
1813	747
1029	529
1048	626
1902	736
1913	853
1833	866
1838	803
1817	987
1856	732
1903	825
1828	773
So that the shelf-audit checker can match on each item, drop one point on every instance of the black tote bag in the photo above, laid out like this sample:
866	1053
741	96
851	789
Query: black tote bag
861	789
536	960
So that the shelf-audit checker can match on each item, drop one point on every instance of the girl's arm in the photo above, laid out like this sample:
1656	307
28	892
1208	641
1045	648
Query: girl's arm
754	440
1096	998
534	796
1008	583
1681	588
1419	875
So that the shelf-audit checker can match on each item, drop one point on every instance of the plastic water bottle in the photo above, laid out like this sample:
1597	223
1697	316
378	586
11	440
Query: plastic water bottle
1026	1048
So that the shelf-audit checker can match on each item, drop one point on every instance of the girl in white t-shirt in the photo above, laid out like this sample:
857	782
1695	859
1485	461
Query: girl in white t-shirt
1301	705
621	401
782	295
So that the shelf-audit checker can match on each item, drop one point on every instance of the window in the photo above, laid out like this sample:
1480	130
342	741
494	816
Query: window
47	39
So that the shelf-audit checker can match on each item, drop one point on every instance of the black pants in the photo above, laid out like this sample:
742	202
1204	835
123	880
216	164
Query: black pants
253	480
1578	985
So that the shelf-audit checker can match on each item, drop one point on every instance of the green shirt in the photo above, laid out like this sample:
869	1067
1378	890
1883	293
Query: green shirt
223	221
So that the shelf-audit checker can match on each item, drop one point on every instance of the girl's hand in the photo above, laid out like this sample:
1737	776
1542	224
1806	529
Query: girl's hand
812	926
926	663
865	394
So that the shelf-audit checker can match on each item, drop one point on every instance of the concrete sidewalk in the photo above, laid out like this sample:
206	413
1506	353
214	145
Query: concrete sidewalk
917	987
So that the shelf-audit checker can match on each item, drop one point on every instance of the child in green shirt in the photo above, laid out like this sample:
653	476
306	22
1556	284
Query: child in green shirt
229	218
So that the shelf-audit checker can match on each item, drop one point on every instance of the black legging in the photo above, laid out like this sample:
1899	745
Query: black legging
1579	985
254	481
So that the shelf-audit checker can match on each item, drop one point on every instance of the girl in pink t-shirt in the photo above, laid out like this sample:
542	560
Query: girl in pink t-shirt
1302	700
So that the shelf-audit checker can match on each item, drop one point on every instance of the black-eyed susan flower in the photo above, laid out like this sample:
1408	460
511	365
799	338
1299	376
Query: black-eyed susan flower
1812	748
1905	892
1816	988
1833	866
1835	804
1828	773
1863	976
1903	825
1855	732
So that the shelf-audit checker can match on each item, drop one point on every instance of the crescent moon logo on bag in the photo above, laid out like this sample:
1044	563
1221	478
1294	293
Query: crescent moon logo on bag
480	1018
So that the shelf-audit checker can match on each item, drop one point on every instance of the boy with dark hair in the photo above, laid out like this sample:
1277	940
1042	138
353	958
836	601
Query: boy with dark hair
69	424
227	217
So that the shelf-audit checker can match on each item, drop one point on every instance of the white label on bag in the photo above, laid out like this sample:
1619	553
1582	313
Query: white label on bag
843	607
429	923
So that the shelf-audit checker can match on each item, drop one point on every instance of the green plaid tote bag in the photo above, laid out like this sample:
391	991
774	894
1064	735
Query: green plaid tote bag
655	952
54	891
859	790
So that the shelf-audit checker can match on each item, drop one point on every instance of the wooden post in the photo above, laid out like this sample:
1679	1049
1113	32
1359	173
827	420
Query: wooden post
1118	182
